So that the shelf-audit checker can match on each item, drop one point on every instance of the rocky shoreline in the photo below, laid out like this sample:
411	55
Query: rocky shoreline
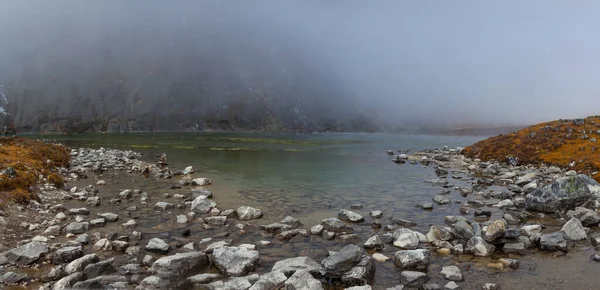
69	240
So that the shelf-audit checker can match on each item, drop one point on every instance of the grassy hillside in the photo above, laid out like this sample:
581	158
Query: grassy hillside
565	143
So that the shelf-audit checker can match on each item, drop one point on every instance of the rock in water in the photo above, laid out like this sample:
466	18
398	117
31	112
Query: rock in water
554	242
235	261
67	254
564	193
25	254
341	262
573	230
157	245
412	259
272	280
350	216
374	243
248	213
335	225
179	265
451	273
479	247
291	265
361	274
302	280
201	204
413	279
495	230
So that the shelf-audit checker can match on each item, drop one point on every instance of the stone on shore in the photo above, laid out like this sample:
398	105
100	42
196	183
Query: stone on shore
554	242
245	213
291	265
157	245
302	280
451	273
350	216
67	254
335	225
374	243
477	246
413	278
271	280
26	254
564	193
201	204
179	265
361	274
412	259
341	262
235	261
573	230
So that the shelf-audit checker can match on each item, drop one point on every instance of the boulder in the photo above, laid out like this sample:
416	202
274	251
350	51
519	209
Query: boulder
79	264
235	261
26	254
302	280
495	230
273	280
202	204
477	246
245	213
451	273
413	279
564	193
588	217
374	243
350	216
412	259
201	181
291	265
101	268
335	225
463	230
155	283
573	230
179	265
406	239
157	245
554	242
341	262
67	254
68	281
361	274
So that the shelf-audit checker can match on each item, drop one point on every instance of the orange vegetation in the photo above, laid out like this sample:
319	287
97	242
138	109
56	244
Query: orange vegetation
562	143
22	161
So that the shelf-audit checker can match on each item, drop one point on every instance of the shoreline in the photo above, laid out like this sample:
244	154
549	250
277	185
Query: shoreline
461	236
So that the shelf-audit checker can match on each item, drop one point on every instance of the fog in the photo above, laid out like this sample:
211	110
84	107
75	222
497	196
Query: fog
329	65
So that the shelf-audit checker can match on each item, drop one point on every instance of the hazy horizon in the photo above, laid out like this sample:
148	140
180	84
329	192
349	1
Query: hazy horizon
430	63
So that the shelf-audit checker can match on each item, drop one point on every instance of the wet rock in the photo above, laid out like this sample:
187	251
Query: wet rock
93	201
100	269
201	181
79	211
126	194
595	257
349	238
529	230
490	286
161	205
157	245
12	278
495	230
477	246
119	246
291	221
317	230
328	235
452	286
77	227
302	280
130	223
376	214
67	254
412	259
234	261
413	279
26	254
68	281
197	192
131	269
52	230
439	233
341	262
463	230
79	264
178	266
291	265
109	217
335	225
441	200
245	213
216	220
350	216
276	227
564	193
361	274
451	273
554	242
202	204
574	231
431	286
288	235
380	257
102	282
98	222
507	203
514	248
406	239
204	278
425	205
271	280
374	243
155	283
181	219
588	217
102	245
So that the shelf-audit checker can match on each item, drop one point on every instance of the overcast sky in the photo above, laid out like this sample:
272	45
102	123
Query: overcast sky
492	62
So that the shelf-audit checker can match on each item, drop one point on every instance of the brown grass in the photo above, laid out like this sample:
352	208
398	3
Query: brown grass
553	143
29	158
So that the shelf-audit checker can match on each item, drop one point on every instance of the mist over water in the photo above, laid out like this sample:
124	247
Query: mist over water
299	65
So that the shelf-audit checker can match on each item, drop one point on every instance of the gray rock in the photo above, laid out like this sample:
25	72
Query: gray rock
554	242
179	265
201	181
564	193
109	216
525	179
157	245
588	217
126	194
291	265
376	214
236	283
335	225
52	230
350	216
276	227
204	278
412	259
477	246
77	228
374	243
202	204
210	248
406	239
302	280
121	246
83	239
101	282
288	220
364	287
100	269
26	254
574	231
234	261
341	262
216	220
100	222
452	286
245	213
155	283
12	278
490	286
131	269
529	230
271	281
451	273
67	254
413	279
463	230
441	200
438	233
79	264
287	235
514	248
161	205
102	245
361	274
69	281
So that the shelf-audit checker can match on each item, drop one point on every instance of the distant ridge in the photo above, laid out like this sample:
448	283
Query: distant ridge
565	143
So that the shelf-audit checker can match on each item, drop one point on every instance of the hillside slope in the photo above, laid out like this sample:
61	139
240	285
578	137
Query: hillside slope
565	143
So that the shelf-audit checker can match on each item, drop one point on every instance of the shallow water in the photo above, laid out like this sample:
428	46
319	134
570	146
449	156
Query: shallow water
311	178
